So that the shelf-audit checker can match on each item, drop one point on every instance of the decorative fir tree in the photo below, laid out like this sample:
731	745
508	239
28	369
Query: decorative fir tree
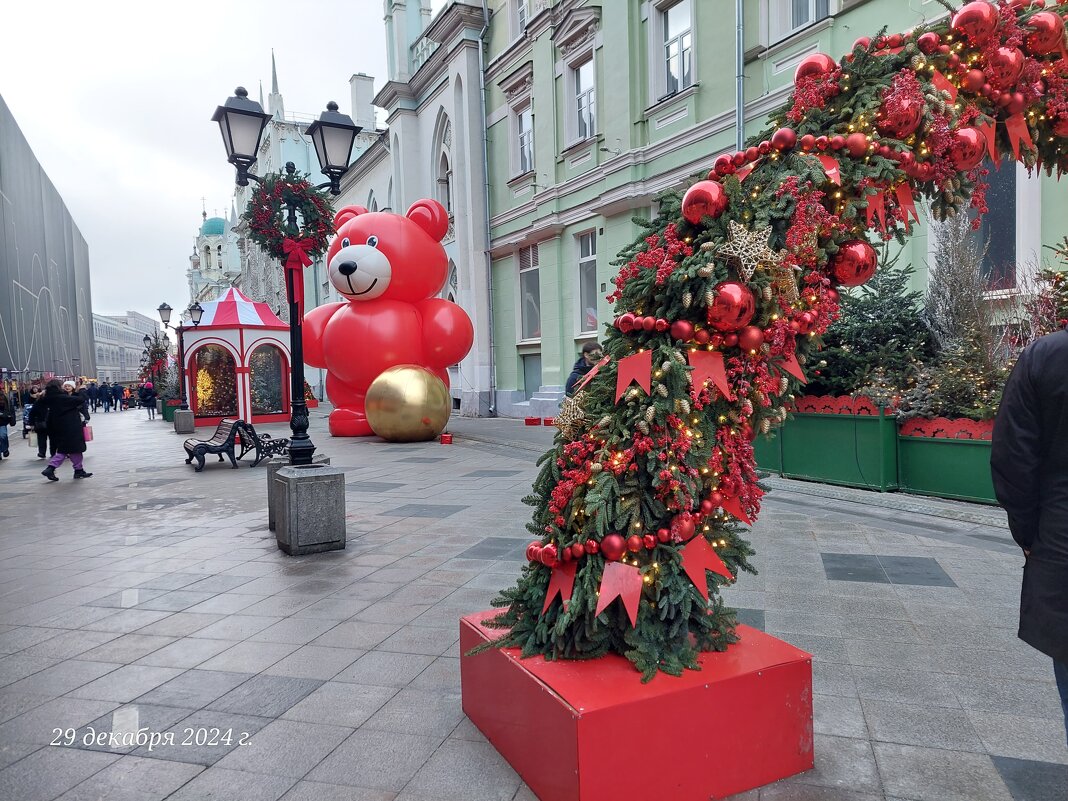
639	506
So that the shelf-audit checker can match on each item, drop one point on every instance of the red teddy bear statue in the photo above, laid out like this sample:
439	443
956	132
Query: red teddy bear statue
390	268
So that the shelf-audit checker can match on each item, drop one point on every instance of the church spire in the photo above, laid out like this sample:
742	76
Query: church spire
274	102
274	75
261	94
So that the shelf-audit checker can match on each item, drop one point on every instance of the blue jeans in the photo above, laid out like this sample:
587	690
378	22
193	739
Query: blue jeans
1060	670
5	446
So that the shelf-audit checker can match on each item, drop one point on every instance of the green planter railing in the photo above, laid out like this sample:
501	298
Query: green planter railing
169	408
852	443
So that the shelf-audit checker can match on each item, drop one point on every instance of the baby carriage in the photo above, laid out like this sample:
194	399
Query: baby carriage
26	420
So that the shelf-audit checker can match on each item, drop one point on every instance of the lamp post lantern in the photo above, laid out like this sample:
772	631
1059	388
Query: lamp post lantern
241	122
195	312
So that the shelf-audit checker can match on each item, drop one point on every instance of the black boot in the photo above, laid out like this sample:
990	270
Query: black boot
82	474
50	473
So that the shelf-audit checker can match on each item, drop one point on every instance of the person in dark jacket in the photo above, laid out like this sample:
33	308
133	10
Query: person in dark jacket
591	354
94	396
7	418
36	420
105	395
1029	464
65	423
148	399
116	395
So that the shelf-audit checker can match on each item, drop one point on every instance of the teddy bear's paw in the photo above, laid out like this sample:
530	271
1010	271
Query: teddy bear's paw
349	423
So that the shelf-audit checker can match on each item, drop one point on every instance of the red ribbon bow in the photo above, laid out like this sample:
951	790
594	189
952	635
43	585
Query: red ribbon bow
297	259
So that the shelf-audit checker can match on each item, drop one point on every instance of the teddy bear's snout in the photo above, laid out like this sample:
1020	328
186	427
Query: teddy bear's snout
347	267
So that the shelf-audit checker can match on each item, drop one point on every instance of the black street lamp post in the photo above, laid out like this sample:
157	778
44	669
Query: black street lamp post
241	122
195	312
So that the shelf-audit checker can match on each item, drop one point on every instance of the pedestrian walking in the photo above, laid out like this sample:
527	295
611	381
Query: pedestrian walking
105	395
94	396
1029	464
7	418
148	399
37	421
65	413
591	354
116	395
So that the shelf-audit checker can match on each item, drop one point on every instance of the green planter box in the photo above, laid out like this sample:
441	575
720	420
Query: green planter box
169	408
946	468
846	449
768	452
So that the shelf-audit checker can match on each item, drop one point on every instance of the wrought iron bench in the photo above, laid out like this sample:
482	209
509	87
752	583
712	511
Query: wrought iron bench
265	445
222	442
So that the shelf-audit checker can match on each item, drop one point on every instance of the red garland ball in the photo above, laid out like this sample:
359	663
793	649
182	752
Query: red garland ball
592	546
808	142
548	556
723	165
855	262
831	294
577	550
732	308
702	337
837	142
805	322
663	535
750	338
649	541
929	42
903	119
730	340
683	526
857	144
634	543
703	199
1047	34
613	547
662	325
974	80
532	551
738	159
707	507
649	323
626	322
752	154
978	20
815	66
864	42
682	330
784	139
1003	68
968	149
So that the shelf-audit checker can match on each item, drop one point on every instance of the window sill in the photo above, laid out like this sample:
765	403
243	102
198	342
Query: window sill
517	180
668	100
578	145
586	336
530	344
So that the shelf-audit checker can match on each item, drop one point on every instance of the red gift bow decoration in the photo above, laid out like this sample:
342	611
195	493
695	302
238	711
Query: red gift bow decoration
790	365
297	259
1016	125
743	172
734	506
941	82
987	130
831	167
561	581
906	204
876	208
623	582
708	365
636	367
697	557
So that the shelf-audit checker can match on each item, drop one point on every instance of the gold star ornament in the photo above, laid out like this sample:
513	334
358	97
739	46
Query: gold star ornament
748	250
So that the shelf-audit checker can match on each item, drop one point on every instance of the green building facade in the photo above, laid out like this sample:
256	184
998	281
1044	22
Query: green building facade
592	109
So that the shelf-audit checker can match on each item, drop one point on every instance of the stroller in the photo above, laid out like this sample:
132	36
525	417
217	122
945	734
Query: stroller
26	420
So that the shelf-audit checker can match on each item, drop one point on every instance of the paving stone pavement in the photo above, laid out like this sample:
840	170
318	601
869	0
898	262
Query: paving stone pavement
153	597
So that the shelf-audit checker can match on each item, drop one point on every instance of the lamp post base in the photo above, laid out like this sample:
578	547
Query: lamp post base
183	422
310	506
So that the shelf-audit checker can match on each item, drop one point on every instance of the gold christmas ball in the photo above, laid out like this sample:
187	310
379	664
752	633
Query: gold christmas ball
408	403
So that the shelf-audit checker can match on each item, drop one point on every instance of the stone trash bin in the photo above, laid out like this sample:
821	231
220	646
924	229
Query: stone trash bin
310	509
274	464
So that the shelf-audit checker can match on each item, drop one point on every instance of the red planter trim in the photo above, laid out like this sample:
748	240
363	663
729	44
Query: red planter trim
944	428
828	404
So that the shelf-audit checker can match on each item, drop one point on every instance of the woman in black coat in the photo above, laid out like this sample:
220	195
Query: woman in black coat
64	423
1029	462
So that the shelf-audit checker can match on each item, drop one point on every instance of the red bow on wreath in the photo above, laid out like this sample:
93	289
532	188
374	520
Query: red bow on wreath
296	251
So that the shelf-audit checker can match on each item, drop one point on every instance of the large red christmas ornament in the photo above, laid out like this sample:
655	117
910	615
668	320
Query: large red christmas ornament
974	80
723	165
977	20
1047	34
1004	66
704	199
815	66
857	144
626	322
855	262
750	338
732	308
902	119
968	149
683	527
784	139
863	42
613	547
929	42
682	330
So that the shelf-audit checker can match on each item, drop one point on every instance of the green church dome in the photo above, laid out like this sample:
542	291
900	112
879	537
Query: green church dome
213	226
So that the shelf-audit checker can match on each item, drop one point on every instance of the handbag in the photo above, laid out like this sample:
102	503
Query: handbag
32	439
87	431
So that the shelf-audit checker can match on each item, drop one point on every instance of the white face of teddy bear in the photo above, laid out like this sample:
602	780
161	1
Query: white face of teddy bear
360	271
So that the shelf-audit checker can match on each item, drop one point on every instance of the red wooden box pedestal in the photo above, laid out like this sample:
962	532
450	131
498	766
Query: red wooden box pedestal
591	731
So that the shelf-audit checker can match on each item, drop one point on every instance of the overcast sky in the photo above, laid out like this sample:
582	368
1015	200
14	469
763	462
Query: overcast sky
115	99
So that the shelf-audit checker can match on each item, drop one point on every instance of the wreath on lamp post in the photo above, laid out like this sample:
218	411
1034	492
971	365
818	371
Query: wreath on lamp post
267	214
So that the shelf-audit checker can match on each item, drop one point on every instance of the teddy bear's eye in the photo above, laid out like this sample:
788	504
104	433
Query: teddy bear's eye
372	241
345	242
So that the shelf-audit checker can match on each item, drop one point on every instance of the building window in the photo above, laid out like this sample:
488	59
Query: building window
999	250
529	294
678	47
790	16
587	282
585	100
445	183
522	14
525	134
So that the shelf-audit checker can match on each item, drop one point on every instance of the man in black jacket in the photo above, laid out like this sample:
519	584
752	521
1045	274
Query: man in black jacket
591	354
1029	462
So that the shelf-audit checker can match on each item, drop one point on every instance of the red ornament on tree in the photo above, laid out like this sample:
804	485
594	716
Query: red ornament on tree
626	322
613	547
1004	66
1047	33
974	80
732	308
855	262
968	149
683	527
929	42
723	165
784	139
634	543
682	330
857	144
977	20
901	117
704	199
750	338
815	66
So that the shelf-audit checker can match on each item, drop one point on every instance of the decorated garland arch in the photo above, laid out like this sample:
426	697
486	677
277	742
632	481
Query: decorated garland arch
721	304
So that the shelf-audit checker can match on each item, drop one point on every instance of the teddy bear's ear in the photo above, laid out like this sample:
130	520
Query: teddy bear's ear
347	213
431	217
